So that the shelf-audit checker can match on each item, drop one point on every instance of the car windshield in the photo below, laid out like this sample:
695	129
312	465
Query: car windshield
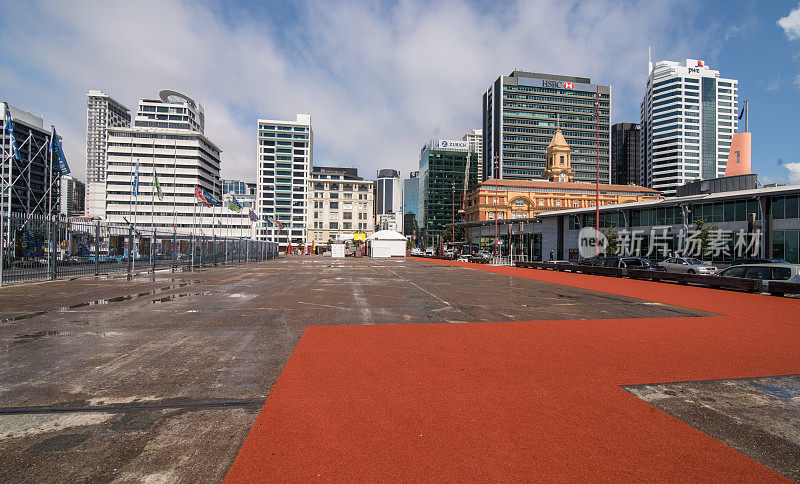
694	262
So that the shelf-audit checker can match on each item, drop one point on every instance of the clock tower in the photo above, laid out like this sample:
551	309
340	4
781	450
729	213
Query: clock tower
558	159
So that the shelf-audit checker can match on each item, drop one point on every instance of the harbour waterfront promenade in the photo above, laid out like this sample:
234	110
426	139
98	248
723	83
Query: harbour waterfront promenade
393	369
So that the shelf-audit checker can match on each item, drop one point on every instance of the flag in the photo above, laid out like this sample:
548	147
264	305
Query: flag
280	225
234	204
210	199
158	185
10	128
58	152
219	223
253	216
198	194
271	220
741	114
135	188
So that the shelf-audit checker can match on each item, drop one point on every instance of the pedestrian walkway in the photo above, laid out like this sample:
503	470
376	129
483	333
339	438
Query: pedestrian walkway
518	400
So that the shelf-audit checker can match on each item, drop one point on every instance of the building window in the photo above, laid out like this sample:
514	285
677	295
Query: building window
519	203
334	204
541	203
333	225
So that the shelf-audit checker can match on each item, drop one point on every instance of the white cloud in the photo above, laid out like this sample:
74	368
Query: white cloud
378	79
794	172
791	24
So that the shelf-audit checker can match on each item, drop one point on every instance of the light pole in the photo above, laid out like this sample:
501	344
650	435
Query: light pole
597	180
496	191
453	210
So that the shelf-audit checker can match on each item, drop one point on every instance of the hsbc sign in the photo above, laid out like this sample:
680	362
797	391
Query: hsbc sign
558	84
551	84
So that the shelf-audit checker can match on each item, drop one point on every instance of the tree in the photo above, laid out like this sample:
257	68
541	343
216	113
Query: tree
612	238
705	232
447	235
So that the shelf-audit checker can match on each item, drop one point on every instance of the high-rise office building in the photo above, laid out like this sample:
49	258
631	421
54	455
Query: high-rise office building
475	139
26	178
688	117
411	194
285	157
625	167
102	112
521	113
445	176
171	110
389	200
71	196
184	160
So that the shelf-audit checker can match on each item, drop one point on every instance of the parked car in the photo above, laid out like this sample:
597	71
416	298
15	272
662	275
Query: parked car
559	262
592	261
639	263
463	258
771	272
687	265
740	262
416	251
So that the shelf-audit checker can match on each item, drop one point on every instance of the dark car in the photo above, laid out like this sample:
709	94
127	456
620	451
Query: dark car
639	263
741	262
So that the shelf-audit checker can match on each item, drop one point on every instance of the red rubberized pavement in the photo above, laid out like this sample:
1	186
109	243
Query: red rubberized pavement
520	400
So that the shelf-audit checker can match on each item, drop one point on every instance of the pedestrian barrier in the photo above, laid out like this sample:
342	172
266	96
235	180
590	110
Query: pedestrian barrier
36	248
715	282
778	288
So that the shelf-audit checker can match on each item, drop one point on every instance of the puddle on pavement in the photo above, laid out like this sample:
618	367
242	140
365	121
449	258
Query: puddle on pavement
173	297
100	302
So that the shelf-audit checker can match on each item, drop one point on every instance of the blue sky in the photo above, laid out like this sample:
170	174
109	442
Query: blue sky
380	78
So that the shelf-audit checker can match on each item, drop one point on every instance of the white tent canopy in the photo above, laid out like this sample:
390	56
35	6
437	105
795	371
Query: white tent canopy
387	243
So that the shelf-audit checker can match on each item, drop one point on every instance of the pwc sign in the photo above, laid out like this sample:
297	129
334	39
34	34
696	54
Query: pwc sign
591	242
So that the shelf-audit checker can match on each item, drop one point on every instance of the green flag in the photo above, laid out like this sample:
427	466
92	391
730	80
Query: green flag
219	223
158	187
234	204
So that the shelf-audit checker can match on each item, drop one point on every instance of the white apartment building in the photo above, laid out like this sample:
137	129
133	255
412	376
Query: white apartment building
688	118
285	154
171	110
341	204
183	159
475	140
102	112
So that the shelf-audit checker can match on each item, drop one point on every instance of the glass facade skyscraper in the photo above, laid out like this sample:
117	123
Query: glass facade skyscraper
521	113
688	117
444	166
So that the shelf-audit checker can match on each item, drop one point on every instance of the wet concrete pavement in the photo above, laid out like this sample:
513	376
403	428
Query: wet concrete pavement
160	378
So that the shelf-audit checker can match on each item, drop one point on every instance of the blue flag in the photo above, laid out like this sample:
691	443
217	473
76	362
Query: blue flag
10	129
135	189
212	200
58	152
253	216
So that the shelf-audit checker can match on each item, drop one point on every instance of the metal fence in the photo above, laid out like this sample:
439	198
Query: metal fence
36	248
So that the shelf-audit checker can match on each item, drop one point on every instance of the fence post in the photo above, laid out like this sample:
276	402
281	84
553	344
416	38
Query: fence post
97	248
130	249
53	246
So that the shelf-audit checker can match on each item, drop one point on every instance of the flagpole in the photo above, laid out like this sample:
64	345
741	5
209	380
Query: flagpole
153	193
174	184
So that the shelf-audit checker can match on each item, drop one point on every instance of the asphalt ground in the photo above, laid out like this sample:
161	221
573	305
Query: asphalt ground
161	378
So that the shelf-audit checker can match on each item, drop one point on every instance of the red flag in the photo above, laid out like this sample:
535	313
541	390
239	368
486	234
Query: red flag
198	194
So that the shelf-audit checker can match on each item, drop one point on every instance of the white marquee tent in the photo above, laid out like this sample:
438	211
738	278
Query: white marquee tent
386	243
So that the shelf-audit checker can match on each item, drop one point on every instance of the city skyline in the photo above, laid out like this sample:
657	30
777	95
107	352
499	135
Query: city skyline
374	103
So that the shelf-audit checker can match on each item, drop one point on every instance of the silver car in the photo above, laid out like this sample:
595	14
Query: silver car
765	272
687	265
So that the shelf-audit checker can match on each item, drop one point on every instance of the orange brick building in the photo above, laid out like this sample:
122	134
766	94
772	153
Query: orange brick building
510	199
